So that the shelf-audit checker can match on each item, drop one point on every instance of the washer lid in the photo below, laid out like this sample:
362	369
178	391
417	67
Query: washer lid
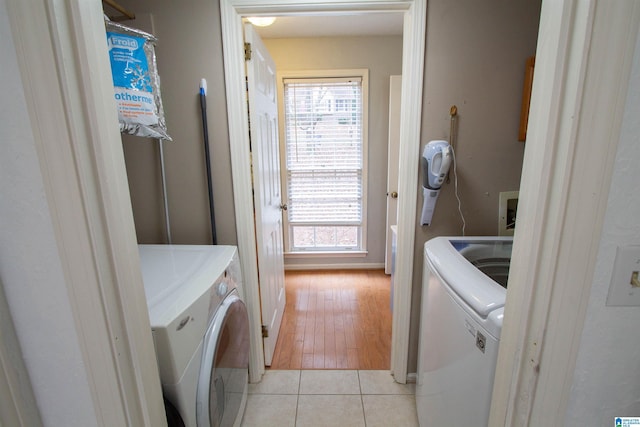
189	269
475	288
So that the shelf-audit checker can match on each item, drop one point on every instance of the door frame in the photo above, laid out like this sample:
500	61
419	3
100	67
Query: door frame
577	106
63	60
414	39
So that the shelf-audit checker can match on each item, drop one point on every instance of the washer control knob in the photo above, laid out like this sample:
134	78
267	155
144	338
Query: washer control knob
222	289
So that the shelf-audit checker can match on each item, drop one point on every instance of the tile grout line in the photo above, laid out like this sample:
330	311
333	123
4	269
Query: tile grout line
295	419
364	415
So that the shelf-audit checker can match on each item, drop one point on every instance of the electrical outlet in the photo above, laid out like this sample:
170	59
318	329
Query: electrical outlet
625	283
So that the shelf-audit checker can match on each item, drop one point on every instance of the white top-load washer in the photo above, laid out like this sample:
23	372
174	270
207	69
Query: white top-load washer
463	295
200	331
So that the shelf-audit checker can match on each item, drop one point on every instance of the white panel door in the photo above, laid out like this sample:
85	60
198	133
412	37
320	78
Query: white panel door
263	117
393	157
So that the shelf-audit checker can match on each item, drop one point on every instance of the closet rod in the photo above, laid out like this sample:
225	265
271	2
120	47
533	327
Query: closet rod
126	14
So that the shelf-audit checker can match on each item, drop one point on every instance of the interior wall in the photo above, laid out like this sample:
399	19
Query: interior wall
606	380
475	60
189	48
382	56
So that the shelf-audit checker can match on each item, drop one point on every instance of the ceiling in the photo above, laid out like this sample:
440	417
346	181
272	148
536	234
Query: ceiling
370	24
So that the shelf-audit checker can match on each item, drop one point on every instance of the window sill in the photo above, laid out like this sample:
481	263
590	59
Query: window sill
326	254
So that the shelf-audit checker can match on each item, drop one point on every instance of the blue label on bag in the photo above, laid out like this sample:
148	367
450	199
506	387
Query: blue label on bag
132	80
129	66
626	421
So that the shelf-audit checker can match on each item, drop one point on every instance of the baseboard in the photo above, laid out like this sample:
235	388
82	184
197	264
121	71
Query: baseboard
345	266
412	378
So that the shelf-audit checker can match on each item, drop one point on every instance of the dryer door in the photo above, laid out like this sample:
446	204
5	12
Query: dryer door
225	365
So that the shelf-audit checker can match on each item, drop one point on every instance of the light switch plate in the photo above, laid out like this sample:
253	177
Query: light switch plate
621	291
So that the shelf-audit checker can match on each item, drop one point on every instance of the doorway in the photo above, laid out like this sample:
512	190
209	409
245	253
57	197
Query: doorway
321	47
412	70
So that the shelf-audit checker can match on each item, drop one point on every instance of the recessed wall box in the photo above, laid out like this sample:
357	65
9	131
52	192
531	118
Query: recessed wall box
625	289
507	208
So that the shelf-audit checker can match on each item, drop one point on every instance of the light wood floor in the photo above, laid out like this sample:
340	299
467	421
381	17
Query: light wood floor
338	319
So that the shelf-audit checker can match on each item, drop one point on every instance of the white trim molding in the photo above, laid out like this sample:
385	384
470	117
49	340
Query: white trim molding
233	48
344	266
413	51
17	403
576	111
63	60
414	33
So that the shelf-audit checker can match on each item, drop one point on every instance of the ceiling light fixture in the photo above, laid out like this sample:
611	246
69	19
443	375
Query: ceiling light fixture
262	21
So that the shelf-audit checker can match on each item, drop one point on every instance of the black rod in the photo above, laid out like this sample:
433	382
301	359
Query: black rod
205	129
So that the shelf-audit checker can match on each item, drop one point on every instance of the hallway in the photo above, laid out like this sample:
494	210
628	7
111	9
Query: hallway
335	319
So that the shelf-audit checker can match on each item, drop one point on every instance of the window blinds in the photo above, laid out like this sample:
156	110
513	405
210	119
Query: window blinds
324	151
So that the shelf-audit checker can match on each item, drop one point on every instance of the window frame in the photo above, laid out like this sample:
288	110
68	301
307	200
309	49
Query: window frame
362	74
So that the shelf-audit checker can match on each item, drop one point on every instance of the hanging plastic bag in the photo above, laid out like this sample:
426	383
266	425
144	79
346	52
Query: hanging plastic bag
136	81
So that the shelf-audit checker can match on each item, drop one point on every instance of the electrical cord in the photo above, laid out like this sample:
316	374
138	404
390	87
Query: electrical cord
455	182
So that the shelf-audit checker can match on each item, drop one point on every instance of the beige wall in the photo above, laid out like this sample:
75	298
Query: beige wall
382	56
474	59
475	56
189	48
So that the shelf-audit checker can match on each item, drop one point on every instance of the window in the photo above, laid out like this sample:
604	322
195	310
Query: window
324	173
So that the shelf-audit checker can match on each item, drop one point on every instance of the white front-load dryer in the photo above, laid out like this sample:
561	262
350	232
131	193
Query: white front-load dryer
200	331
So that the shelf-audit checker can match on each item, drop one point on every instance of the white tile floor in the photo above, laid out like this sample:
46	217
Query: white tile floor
330	398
